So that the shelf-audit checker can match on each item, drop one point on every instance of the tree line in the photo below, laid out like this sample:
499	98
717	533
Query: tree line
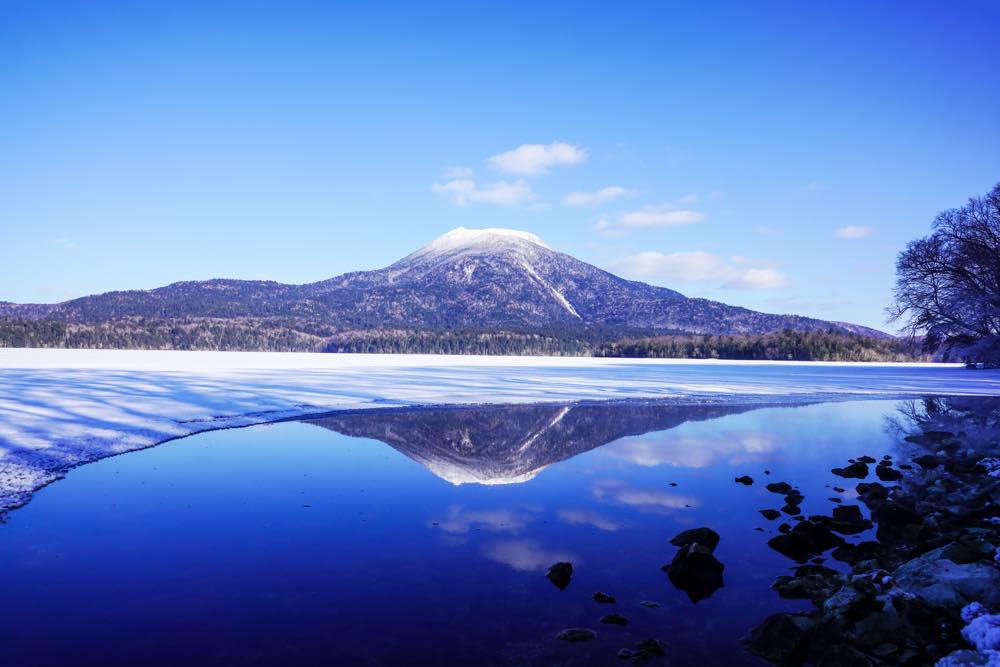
262	335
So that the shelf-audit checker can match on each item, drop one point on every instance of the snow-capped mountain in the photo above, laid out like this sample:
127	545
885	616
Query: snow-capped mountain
466	280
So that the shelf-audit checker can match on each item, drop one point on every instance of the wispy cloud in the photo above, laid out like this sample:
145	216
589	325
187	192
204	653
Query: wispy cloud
601	196
690	452
66	243
537	159
458	171
764	230
526	555
460	520
465	191
666	215
854	232
700	266
588	518
644	498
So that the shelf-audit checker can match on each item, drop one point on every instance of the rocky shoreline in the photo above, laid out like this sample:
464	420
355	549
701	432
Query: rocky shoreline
926	590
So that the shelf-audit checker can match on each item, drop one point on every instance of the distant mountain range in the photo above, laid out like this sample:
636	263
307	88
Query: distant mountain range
489	280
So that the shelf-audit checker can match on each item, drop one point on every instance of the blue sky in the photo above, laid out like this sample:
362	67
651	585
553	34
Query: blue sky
772	155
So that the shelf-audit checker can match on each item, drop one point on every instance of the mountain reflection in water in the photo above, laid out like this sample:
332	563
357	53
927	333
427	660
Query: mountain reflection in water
513	443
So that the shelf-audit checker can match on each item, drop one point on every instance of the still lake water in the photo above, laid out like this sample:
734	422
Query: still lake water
421	536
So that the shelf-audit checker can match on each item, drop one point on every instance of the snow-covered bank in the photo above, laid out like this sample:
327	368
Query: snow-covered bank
61	408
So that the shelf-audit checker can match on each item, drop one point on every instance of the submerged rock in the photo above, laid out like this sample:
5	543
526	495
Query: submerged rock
614	619
560	575
770	515
888	473
811	582
784	488
577	635
604	598
645	650
848	520
746	480
856	470
809	538
649	604
706	537
695	571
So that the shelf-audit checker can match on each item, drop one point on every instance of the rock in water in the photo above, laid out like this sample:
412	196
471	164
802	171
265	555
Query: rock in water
784	488
745	480
856	470
770	515
809	538
614	619
604	598
888	473
695	571
706	537
577	635
560	574
644	651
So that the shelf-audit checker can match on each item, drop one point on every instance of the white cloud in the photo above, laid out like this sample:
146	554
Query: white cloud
766	231
463	191
700	266
690	199
460	520
457	171
66	243
619	491
588	518
593	198
854	232
661	216
758	279
537	159
526	555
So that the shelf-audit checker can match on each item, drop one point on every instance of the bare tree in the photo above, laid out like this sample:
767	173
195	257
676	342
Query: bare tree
948	283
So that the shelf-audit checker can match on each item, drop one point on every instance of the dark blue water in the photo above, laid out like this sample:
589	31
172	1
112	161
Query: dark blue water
320	544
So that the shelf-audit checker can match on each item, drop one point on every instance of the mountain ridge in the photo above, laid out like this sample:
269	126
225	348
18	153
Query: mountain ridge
465	280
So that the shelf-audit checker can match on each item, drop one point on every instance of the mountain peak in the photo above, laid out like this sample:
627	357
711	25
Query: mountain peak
463	239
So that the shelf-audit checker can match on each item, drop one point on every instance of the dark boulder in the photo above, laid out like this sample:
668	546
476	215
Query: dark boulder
784	488
745	480
848	520
604	598
888	473
614	619
644	651
770	515
781	638
560	575
871	492
809	538
706	537
856	470
577	635
695	571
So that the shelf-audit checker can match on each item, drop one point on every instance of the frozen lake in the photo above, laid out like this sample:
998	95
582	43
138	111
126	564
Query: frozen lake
62	408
